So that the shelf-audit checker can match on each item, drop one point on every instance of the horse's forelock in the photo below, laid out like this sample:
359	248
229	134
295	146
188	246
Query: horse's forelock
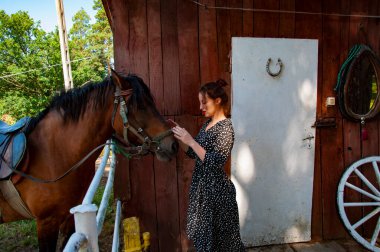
141	96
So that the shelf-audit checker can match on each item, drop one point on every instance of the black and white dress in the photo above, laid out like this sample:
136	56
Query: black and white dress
213	218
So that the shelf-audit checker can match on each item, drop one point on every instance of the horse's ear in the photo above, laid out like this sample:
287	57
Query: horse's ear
116	78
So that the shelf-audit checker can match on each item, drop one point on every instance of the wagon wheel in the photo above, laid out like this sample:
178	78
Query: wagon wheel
359	201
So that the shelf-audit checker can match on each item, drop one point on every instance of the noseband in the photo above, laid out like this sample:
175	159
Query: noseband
148	145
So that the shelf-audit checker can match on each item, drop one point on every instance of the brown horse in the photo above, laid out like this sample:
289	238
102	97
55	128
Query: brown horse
76	122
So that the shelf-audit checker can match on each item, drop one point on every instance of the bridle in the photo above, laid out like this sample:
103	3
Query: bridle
149	145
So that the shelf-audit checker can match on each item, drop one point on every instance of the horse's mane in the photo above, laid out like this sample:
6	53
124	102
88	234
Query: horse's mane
73	103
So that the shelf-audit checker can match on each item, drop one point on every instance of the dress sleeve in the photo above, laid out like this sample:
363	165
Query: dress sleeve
221	150
191	153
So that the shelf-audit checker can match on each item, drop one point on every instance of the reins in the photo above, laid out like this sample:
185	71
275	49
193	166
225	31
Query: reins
47	181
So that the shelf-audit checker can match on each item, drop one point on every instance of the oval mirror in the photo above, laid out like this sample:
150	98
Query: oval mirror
361	87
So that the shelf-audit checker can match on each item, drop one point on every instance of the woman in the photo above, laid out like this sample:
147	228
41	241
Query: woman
213	220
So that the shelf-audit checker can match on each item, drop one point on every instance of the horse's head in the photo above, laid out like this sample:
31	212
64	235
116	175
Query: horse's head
136	120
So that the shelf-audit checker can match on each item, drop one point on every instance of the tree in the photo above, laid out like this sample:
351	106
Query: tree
25	46
92	45
85	62
101	37
30	59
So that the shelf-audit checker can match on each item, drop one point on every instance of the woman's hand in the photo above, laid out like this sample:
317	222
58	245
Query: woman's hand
186	141
182	135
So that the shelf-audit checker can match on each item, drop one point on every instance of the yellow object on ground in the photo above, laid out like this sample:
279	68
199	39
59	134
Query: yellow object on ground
132	239
146	238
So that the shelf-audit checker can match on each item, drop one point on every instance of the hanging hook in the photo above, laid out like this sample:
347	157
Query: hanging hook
279	63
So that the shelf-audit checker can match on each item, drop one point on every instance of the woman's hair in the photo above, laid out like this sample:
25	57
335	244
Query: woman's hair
216	90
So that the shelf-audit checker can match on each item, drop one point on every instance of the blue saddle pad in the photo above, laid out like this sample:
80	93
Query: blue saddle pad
5	128
12	146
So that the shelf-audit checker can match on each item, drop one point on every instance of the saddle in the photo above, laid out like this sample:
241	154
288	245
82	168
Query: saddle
12	146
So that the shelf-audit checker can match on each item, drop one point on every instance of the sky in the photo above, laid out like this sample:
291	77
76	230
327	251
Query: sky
45	10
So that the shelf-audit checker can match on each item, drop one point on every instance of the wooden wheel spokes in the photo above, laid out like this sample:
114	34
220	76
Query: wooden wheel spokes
359	192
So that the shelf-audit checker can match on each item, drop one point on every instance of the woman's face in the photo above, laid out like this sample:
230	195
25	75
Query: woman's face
207	105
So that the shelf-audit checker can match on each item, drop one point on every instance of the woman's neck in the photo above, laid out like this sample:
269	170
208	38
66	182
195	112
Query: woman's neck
218	116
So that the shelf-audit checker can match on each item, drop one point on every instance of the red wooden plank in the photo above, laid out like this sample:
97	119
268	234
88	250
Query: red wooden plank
331	138
248	18
107	9
356	23
376	48
236	26
236	18
344	48
352	153
225	27
120	35
170	57
287	20
156	81
143	202
308	26
266	24
208	50
370	147
302	30
356	36
122	179
138	39
169	237
188	56
185	167
373	25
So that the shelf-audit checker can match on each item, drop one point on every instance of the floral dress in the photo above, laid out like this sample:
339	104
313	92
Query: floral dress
213	218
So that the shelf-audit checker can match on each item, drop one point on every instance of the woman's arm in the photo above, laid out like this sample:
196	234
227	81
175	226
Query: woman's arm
186	141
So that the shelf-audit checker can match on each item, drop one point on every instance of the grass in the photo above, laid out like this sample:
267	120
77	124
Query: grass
21	236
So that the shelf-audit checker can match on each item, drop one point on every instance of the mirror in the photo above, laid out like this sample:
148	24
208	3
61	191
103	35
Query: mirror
361	86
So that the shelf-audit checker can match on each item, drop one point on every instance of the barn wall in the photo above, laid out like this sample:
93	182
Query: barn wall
175	45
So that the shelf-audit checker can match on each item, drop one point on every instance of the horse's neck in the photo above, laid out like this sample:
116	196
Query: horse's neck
72	140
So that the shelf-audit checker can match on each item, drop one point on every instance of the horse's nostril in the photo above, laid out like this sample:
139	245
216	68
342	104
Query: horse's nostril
175	147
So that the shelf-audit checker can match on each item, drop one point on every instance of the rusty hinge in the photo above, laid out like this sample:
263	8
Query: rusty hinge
325	122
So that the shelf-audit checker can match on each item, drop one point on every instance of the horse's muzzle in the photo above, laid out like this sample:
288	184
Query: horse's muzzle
168	149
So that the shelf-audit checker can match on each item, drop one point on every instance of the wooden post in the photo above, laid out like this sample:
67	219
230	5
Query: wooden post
64	45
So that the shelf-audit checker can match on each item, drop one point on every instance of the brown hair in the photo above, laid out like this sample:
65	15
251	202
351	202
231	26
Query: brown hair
216	90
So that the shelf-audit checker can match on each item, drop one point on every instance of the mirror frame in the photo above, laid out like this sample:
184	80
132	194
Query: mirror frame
365	51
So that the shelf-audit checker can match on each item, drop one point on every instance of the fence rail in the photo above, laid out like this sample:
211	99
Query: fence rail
88	218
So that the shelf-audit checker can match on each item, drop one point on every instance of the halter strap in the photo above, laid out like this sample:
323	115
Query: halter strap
148	144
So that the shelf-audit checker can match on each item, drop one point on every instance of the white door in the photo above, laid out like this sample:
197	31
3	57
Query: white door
273	156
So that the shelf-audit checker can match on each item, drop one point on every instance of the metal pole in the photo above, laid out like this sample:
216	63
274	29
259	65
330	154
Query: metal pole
116	230
64	45
85	223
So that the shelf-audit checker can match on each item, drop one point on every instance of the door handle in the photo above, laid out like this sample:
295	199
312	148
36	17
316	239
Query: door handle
308	138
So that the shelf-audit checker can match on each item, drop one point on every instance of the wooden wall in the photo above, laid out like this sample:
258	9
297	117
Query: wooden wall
175	45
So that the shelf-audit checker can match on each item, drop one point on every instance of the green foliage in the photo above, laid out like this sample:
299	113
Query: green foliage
30	59
25	46
101	38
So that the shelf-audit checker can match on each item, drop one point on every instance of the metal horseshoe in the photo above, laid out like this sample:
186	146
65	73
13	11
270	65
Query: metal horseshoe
279	63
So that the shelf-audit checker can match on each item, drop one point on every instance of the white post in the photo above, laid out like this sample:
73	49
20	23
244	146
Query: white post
64	45
85	223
